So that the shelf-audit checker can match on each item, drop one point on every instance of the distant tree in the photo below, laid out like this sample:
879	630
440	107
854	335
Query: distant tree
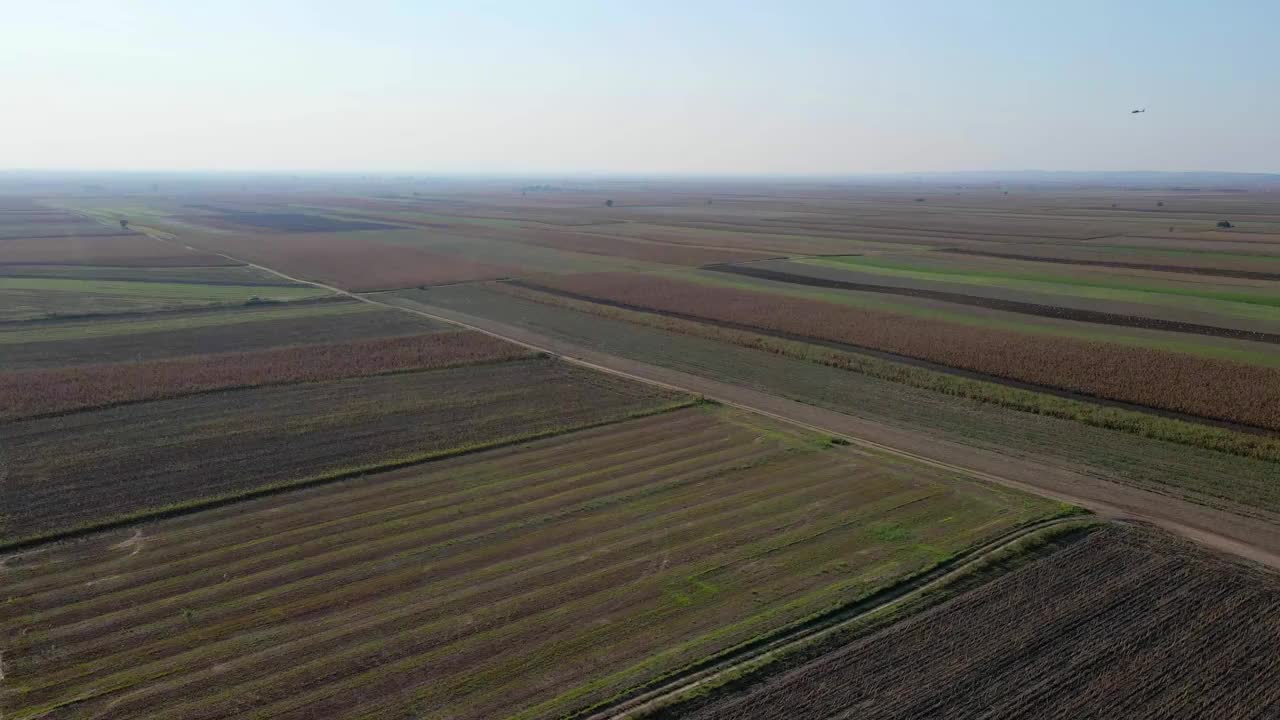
708	201
1170	228
608	203
124	224
919	199
1160	204
1113	204
1225	224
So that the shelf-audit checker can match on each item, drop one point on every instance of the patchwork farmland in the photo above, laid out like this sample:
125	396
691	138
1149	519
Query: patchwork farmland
428	448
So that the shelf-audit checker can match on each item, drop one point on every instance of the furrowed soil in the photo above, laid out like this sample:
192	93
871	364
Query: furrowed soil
525	582
1126	623
100	465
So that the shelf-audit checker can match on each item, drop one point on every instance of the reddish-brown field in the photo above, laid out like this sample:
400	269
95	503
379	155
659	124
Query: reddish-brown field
1200	386
41	392
117	250
352	261
1123	624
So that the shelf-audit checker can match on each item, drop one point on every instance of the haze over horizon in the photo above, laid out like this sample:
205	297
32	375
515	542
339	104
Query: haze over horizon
810	88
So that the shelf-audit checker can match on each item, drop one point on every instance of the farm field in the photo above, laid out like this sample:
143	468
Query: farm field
527	582
59	390
1215	389
1200	474
25	298
227	493
1125	623
138	458
151	336
1186	308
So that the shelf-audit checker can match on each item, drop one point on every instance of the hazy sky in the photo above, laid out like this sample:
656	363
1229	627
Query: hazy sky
546	86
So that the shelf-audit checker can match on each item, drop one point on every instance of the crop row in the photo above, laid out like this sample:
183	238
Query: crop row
1122	624
1204	387
39	392
531	580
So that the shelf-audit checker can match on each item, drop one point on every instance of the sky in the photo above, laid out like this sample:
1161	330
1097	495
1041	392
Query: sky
699	87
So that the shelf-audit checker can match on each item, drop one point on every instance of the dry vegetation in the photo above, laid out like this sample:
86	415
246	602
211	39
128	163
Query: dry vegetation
1124	624
1199	386
43	392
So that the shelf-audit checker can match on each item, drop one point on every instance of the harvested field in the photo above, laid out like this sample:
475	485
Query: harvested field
997	303
1125	623
136	458
1210	388
119	251
352	261
153	336
529	582
45	392
1184	464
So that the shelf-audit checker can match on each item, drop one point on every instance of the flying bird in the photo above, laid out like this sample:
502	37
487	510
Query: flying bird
1135	112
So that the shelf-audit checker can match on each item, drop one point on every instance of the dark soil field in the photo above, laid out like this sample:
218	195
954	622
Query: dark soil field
146	337
1214	389
1124	624
54	391
98	465
530	581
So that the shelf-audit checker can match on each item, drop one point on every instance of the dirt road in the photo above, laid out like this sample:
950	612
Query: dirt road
1248	537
